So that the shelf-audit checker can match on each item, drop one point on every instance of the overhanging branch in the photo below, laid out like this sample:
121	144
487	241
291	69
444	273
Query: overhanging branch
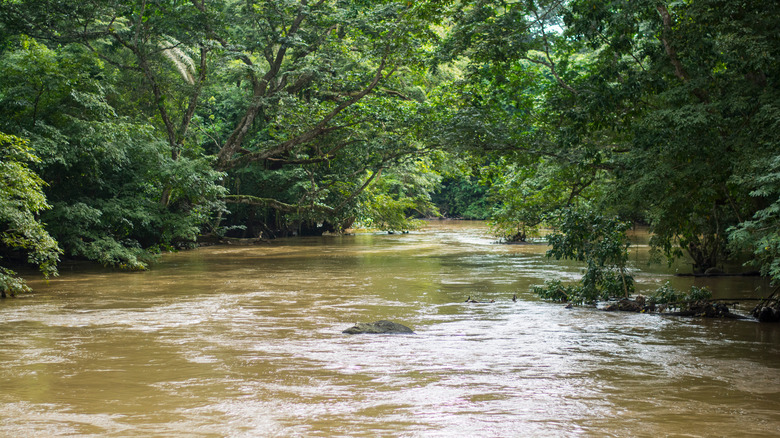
275	204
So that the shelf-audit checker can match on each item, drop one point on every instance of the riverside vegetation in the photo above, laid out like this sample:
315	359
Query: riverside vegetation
134	127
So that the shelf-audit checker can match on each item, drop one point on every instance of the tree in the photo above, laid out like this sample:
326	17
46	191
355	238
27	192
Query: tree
274	90
662	109
400	195
760	235
338	109
106	173
705	75
601	243
21	199
511	107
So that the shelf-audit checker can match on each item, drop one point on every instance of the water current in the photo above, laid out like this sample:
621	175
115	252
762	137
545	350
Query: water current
245	341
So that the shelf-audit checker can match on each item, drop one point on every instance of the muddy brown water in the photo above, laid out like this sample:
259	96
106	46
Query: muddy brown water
246	341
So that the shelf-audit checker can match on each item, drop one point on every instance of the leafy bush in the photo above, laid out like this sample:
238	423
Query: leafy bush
398	195
554	290
21	199
600	242
672	297
760	235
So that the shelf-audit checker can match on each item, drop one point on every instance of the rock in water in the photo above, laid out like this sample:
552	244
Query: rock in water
768	314
378	327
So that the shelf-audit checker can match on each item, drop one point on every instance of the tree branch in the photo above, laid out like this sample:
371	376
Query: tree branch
666	18
275	204
326	156
193	100
321	128
679	70
550	62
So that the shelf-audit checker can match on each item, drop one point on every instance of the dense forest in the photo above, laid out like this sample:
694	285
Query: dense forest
129	128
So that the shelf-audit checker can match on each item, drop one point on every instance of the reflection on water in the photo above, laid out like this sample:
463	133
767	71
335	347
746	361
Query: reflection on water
246	341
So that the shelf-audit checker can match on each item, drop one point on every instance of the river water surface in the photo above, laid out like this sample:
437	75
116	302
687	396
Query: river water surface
245	341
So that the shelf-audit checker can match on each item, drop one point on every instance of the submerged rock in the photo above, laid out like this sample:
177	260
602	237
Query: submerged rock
626	305
767	314
379	327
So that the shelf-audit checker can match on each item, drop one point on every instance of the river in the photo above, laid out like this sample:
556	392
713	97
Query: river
245	341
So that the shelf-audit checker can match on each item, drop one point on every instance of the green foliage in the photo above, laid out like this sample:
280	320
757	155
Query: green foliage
508	106
462	192
761	234
662	111
106	173
389	214
555	290
400	195
125	224
525	194
463	197
21	199
705	112
671	297
601	243
346	94
698	294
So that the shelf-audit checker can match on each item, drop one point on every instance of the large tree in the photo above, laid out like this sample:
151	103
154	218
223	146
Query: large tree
105	172
665	110
297	105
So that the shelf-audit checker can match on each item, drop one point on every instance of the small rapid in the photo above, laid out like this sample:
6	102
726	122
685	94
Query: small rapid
246	341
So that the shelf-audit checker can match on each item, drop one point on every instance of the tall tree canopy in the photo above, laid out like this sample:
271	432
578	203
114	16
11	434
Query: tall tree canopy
664	112
151	118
